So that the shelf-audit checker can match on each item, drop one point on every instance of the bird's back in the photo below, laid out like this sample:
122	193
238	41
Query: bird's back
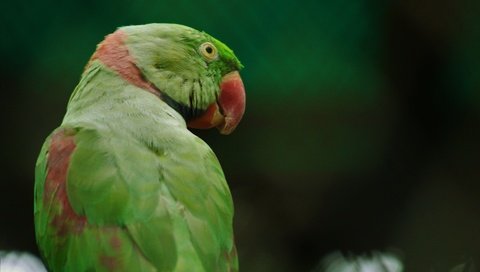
122	185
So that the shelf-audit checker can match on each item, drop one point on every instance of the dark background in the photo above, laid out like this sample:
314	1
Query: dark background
361	131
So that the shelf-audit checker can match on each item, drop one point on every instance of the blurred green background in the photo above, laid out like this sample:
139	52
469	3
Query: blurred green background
361	131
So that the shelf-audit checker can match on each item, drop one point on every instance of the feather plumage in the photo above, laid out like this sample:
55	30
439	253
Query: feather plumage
122	185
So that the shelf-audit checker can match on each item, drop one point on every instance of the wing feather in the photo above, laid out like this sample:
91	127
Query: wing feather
143	210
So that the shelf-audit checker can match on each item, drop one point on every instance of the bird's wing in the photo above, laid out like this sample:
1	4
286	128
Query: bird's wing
108	203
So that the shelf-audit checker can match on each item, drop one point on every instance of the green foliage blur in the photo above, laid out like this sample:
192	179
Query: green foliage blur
361	131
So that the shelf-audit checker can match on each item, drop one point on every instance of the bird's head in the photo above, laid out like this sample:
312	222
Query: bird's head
191	71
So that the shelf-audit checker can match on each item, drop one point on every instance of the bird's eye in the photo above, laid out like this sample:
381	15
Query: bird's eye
208	51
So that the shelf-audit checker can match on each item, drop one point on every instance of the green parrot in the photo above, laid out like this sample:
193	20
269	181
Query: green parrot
122	184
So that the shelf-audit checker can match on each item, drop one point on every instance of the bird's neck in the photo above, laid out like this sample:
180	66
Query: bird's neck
105	98
114	54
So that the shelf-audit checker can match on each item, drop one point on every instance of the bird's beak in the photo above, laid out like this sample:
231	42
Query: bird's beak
228	110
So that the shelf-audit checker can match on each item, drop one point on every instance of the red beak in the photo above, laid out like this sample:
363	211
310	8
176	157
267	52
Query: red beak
227	112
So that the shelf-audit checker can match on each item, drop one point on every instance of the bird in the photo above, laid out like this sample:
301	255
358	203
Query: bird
123	184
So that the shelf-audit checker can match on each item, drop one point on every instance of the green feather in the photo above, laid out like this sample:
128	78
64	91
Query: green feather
153	194
169	58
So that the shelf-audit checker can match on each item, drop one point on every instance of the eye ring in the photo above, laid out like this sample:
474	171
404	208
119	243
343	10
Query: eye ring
208	51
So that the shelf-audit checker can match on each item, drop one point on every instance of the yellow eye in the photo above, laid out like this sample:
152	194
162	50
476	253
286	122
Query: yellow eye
208	51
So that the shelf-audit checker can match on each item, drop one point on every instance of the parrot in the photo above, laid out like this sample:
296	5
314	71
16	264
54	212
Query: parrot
123	184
